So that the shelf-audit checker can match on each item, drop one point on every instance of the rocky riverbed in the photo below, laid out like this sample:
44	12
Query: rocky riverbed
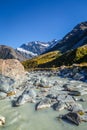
44	100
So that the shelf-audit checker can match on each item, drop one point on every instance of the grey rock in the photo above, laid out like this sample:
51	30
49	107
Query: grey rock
65	98
73	117
78	91
59	106
75	107
52	96
82	99
29	92
45	103
3	95
22	99
6	83
26	96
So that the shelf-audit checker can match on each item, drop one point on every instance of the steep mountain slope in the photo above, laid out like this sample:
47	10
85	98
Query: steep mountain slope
7	52
35	48
56	59
74	39
40	60
77	56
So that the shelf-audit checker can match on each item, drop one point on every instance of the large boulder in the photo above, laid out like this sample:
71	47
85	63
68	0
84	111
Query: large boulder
12	68
12	74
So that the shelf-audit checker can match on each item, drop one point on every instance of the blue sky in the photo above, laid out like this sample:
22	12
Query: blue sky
22	21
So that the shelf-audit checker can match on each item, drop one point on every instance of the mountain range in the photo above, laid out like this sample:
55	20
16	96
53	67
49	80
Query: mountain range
53	53
69	50
25	51
35	48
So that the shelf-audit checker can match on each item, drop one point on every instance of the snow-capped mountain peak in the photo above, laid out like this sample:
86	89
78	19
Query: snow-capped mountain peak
35	48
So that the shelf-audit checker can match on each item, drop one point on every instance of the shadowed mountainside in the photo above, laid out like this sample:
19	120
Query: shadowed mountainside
74	39
7	52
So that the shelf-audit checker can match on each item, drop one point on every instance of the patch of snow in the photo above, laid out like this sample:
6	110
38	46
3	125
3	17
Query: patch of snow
54	43
36	42
27	52
42	44
26	44
45	45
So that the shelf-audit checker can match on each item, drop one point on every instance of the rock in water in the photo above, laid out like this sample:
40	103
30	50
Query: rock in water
59	106
2	120
75	107
65	98
3	95
30	92
45	103
20	101
73	117
26	96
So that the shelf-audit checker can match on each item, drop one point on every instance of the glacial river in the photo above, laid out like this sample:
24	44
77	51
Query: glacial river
26	118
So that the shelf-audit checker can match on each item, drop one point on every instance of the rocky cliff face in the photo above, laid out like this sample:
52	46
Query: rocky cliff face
12	68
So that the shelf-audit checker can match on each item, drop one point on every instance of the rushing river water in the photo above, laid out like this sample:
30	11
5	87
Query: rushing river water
26	118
